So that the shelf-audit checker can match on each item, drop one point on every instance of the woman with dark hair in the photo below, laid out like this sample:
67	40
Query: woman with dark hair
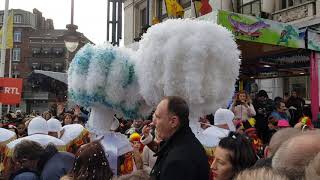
26	156
91	163
67	119
233	154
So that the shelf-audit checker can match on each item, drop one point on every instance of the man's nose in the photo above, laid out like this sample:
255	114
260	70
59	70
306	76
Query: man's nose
213	164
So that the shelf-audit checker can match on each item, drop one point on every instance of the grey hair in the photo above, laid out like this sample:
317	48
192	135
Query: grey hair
295	154
261	174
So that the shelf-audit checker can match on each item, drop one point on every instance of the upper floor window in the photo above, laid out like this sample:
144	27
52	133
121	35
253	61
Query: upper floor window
58	67
17	19
16	54
162	8
46	67
15	66
143	18
288	3
184	3
250	7
35	66
17	36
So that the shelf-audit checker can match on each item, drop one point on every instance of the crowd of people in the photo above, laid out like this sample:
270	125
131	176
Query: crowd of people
259	139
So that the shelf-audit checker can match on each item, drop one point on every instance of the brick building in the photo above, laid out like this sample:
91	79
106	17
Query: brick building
38	46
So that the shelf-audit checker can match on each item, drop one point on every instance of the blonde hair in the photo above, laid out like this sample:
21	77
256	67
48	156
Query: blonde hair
237	98
261	174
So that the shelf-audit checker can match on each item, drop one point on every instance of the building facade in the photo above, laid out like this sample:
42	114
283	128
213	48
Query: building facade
37	46
301	13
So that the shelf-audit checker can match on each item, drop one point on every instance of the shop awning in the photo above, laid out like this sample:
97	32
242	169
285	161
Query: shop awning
62	77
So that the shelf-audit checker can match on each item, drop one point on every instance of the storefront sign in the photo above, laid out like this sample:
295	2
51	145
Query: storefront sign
10	90
313	40
260	30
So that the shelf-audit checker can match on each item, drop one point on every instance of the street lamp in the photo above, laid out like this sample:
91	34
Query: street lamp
71	37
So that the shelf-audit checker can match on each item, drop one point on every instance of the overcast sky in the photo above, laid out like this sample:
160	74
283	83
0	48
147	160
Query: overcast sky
89	15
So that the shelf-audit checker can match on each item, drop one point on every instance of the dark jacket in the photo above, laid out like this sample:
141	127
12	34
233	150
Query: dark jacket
181	157
25	174
57	166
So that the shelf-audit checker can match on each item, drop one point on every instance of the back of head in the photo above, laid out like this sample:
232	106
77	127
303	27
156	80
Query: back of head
281	136
243	153
37	125
262	93
224	116
313	169
54	125
28	150
296	153
91	163
261	174
179	107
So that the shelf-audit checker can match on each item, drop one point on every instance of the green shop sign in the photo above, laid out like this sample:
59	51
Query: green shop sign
260	30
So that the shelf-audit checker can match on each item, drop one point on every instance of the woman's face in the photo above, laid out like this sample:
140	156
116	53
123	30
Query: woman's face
221	166
68	120
47	116
242	97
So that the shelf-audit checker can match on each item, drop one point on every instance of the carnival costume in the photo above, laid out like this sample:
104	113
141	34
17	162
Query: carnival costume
196	60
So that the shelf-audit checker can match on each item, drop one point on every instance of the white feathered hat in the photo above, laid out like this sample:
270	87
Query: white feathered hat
54	125
37	125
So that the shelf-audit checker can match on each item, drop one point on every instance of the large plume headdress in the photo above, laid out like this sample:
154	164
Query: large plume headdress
197	60
103	78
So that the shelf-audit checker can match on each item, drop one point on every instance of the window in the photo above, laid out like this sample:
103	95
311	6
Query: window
185	3
14	66
17	36
143	18
46	50
16	54
250	7
58	67
288	3
46	67
35	66
17	19
162	7
1	18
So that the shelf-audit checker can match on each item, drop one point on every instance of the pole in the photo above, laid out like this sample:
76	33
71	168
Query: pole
314	78
10	64
4	45
10	72
72	10
150	7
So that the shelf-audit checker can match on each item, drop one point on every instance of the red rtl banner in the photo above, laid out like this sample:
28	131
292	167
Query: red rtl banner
10	90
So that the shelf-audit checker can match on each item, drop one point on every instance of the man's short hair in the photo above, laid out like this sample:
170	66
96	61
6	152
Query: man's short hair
29	150
179	107
281	136
295	154
261	174
278	103
313	169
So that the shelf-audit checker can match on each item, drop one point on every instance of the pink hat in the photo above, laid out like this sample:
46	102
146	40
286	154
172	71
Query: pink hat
283	123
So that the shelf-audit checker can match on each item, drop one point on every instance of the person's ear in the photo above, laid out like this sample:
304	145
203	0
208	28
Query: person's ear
266	151
174	122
